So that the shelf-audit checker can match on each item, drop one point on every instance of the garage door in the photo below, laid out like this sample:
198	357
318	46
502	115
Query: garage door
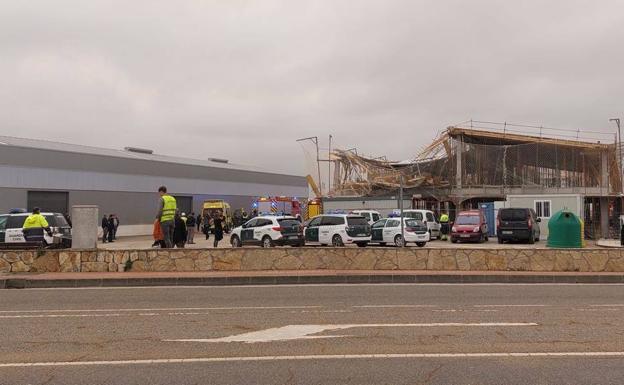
185	204
48	201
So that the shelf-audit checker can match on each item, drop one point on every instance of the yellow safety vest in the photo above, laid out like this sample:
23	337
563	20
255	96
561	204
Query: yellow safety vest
35	220
169	208
444	218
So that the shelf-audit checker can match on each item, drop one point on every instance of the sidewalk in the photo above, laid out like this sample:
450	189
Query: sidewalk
272	277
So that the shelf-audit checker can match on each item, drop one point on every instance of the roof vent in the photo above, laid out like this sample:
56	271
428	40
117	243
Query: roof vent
217	160
139	150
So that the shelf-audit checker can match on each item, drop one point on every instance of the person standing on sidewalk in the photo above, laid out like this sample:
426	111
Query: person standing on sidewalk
166	214
206	225
190	228
444	221
218	227
111	228
115	226
104	229
179	232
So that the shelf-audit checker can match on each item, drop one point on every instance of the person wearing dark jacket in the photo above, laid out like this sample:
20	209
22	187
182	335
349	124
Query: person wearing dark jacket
190	228
218	228
104	229
206	225
111	228
179	232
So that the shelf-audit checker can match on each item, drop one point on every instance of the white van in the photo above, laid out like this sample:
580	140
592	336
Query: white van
370	215
428	218
337	230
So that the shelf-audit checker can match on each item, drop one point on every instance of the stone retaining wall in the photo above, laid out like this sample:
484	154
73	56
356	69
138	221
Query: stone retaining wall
553	260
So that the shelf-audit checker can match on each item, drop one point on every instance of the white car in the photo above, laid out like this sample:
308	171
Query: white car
268	231
11	229
338	230
388	230
428	218
370	215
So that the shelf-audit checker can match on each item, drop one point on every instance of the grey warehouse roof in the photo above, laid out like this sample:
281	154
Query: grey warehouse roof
108	152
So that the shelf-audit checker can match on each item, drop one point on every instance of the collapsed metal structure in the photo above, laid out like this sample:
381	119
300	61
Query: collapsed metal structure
464	166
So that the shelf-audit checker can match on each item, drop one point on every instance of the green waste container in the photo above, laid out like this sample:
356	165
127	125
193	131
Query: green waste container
565	230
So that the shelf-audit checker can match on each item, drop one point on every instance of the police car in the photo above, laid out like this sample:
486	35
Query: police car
11	229
268	231
370	215
338	230
388	230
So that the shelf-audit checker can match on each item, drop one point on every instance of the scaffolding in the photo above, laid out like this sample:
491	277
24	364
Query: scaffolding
462	160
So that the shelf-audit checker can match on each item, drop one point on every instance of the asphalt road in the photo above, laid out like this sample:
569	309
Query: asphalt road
335	334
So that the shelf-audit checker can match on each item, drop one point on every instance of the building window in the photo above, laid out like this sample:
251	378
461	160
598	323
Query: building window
542	208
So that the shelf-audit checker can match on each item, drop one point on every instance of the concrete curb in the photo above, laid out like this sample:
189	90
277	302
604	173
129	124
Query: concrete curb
32	283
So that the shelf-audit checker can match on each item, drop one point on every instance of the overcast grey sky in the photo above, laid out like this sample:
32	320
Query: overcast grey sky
230	78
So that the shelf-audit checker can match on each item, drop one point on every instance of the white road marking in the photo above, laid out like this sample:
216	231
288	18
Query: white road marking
59	316
315	357
511	305
160	309
302	332
391	306
608	305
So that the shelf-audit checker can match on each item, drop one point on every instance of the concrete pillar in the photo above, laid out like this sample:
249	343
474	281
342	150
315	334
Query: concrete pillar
604	218
84	226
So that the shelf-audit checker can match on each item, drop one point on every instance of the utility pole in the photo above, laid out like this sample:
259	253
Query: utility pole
401	209
329	176
619	145
314	139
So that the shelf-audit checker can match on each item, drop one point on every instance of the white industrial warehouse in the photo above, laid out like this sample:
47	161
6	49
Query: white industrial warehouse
56	176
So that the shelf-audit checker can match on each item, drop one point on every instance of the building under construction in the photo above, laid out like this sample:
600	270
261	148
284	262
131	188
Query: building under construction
466	166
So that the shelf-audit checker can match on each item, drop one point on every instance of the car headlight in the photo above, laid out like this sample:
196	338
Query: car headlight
454	229
476	229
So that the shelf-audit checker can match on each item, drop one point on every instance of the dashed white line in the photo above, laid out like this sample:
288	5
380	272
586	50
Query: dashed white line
317	357
160	309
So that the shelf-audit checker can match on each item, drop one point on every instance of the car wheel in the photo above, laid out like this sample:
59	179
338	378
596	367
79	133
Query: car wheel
235	241
453	240
267	241
337	241
421	244
399	241
500	240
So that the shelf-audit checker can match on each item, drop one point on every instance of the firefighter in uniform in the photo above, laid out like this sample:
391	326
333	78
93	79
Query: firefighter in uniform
34	226
444	221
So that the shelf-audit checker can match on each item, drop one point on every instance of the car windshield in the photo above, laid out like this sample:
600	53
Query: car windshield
60	221
413	214
467	220
413	223
513	215
355	221
288	222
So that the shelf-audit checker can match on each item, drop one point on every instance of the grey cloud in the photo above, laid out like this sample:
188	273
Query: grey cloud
244	79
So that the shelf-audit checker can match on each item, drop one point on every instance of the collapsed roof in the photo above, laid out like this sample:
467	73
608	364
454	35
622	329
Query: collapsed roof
462	157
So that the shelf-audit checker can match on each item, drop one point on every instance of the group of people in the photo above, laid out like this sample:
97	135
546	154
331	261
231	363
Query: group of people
110	224
241	216
175	229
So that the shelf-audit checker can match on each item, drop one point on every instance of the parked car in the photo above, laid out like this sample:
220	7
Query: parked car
388	230
428	218
470	226
370	215
517	224
11	229
268	231
338	230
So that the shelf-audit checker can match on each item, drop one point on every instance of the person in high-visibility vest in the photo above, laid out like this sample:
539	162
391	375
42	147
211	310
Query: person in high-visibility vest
444	221
34	226
166	215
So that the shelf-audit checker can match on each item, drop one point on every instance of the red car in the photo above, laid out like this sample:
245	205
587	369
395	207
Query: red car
469	226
